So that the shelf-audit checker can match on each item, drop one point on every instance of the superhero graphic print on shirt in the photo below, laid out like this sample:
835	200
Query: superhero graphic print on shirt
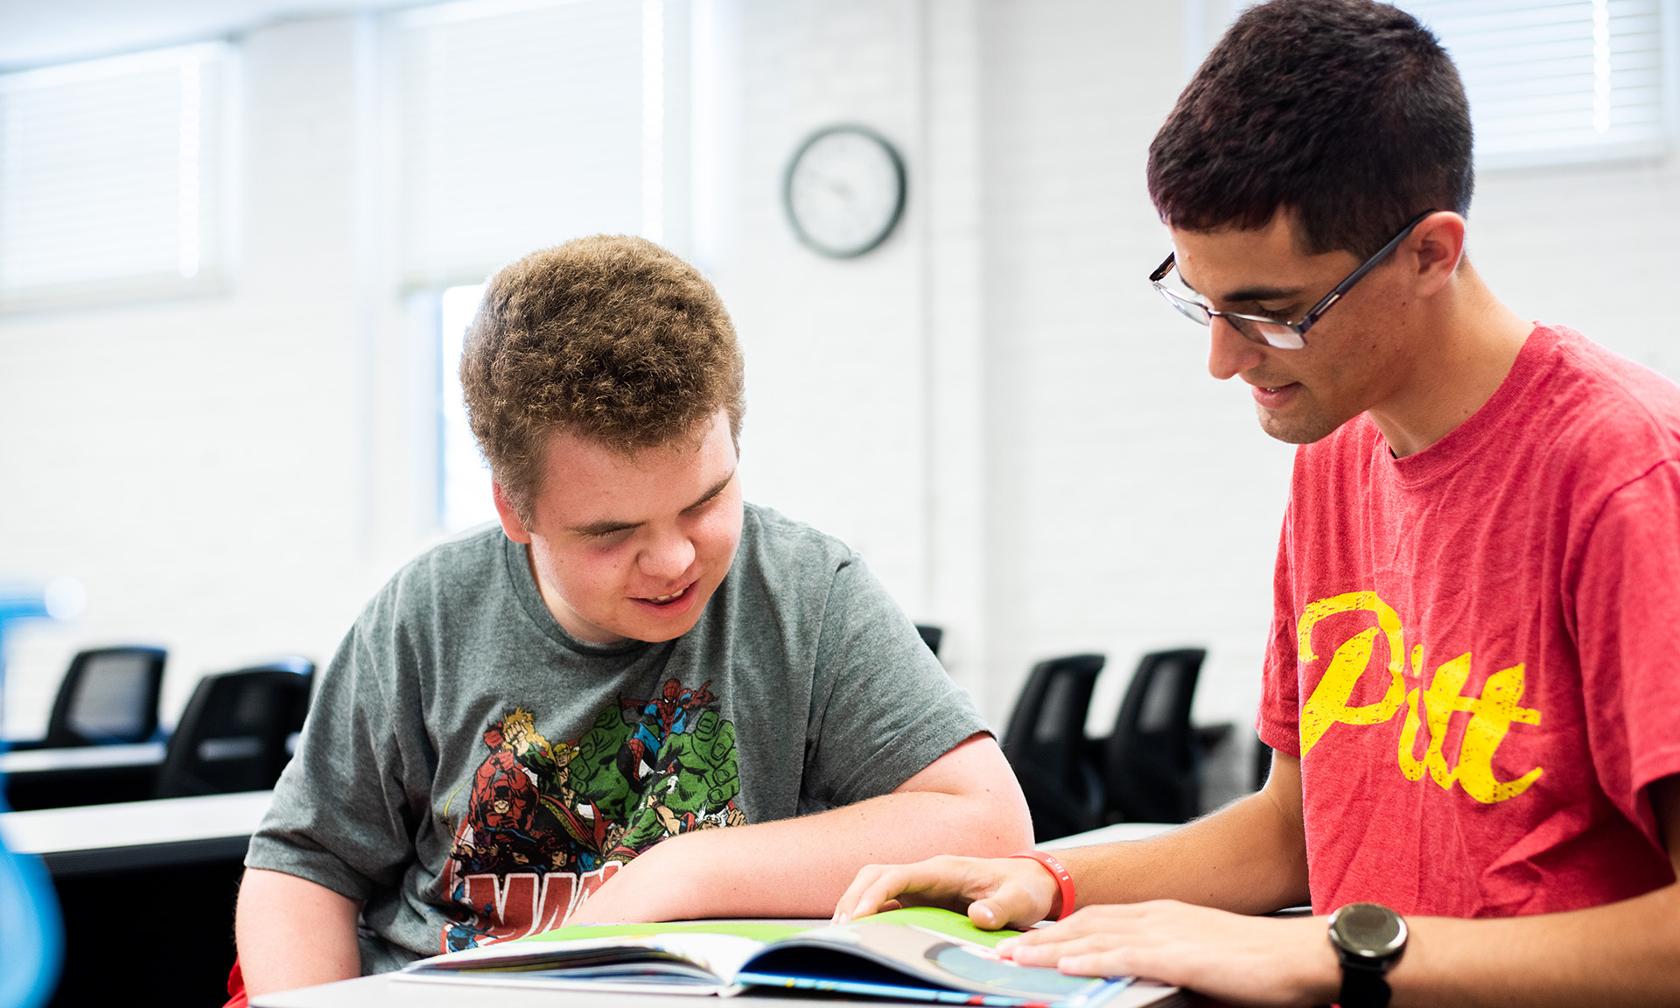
547	823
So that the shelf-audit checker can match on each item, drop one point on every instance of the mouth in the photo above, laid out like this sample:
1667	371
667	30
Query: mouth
1275	396
670	598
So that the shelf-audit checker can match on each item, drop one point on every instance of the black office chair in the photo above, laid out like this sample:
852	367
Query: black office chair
1046	746
1152	763
236	731
932	636
1262	767
108	695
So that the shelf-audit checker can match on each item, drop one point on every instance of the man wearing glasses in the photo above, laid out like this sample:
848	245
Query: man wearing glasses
1473	681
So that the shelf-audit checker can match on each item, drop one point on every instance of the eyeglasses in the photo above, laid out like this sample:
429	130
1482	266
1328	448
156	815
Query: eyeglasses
1276	332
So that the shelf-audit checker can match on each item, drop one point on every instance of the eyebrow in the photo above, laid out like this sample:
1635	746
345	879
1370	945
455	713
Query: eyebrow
608	526
1246	294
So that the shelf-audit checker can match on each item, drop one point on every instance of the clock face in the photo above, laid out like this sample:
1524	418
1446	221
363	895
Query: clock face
844	191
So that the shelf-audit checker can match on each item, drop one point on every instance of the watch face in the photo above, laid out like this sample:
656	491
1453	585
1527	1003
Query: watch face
1368	930
844	191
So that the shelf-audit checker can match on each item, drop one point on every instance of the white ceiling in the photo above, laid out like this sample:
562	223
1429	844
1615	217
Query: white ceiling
37	32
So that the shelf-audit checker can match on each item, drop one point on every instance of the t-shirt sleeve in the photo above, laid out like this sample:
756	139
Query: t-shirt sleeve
340	817
882	707
1279	720
1623	609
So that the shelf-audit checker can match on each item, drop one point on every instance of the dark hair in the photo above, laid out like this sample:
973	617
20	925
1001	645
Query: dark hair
1347	112
610	337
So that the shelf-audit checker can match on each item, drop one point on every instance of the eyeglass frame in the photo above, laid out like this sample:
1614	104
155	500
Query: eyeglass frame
1305	322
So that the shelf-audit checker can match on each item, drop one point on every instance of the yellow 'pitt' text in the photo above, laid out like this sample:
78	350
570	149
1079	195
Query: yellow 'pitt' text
1491	715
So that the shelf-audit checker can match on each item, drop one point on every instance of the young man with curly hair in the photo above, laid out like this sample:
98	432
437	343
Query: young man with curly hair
637	698
1472	688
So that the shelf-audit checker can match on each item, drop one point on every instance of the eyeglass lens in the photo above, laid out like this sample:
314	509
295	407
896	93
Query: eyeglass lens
1274	334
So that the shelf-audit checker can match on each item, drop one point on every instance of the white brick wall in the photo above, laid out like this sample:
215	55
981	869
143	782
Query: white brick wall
835	367
1134	503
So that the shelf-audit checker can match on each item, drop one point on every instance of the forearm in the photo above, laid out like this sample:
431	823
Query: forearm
799	867
1622	953
1249	857
293	933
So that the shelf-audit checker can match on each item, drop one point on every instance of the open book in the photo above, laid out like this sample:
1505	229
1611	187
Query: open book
916	953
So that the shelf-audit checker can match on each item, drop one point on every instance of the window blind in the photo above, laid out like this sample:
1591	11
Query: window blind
111	177
1558	80
520	126
1549	81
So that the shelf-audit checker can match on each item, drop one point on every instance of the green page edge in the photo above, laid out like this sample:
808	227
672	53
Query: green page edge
931	918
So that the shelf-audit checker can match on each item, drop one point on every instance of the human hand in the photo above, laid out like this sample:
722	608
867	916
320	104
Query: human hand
995	892
1226	956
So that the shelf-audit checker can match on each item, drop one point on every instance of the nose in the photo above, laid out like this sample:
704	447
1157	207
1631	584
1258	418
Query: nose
667	557
1230	353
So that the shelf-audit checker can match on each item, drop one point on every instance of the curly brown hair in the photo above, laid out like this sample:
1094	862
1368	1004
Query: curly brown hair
610	337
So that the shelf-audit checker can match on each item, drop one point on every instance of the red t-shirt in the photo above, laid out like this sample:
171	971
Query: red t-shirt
1476	649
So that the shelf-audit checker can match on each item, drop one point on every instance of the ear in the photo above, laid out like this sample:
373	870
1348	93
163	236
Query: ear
512	524
1435	249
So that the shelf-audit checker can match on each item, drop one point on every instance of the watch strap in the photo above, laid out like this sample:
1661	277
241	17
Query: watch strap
1363	985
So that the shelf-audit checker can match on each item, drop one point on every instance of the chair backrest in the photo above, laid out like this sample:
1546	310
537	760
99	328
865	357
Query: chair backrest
932	636
235	732
109	695
1047	727
1262	767
1152	762
1046	746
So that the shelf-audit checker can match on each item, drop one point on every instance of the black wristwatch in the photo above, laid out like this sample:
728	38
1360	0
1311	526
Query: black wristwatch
1369	939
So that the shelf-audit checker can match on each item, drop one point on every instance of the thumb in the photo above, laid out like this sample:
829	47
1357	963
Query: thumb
985	915
1014	893
1010	906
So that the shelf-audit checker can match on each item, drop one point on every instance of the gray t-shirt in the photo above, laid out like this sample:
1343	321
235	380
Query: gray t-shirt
469	770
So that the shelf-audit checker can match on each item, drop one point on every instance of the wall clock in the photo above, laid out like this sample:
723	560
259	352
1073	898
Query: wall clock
844	190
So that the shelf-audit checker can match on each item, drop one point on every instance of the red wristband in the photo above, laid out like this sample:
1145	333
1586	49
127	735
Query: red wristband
1064	881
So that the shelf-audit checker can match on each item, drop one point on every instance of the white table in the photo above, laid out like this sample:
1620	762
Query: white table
81	775
1109	834
94	757
166	831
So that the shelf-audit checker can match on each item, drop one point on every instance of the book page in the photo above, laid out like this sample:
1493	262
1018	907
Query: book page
935	947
